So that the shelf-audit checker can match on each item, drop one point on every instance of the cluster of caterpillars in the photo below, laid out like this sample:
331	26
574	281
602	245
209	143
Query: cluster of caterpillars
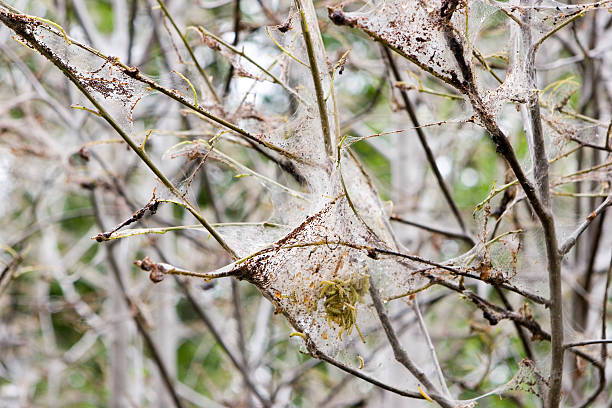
340	299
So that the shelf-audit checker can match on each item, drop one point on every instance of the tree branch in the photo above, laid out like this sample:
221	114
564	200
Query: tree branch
428	153
400	353
569	243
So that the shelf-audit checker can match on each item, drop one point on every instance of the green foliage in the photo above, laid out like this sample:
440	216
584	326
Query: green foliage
378	165
485	167
76	226
102	14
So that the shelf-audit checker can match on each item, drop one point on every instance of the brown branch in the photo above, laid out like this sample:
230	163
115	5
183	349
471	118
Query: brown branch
236	17
519	330
151	207
316	78
398	351
493	313
535	298
456	235
586	280
587	343
540	201
359	374
605	148
7	272
423	140
137	315
573	238
209	324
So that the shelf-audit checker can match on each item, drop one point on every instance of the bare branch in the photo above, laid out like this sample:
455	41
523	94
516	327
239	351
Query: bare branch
569	243
400	353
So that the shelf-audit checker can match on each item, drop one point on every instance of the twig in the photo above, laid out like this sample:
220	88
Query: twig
360	374
573	238
131	30
151	207
428	153
400	353
269	13
493	313
7	272
244	55
608	143
587	343
136	312
450	234
190	50
295	377
604	148
604	313
316	78
430	346
236	17
604	352
586	280
588	170
483	61
600	387
239	323
158	271
519	330
21	25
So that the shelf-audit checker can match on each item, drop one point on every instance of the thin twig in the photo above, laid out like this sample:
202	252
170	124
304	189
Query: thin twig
604	313
244	55
209	324
604	148
400	354
430	346
365	377
316	78
296	376
573	238
136	312
131	30
9	269
423	140
587	343
608	143
450	234
519	330
236	17
21	25
190	50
